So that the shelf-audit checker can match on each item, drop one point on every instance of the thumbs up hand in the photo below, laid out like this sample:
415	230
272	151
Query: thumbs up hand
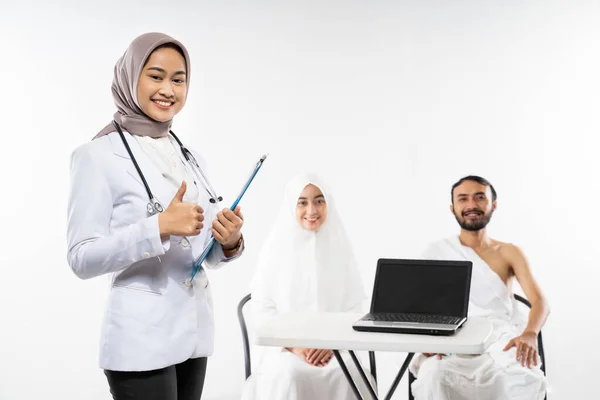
181	219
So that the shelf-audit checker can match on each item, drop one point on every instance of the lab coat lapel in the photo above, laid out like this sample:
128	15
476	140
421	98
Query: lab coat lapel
162	191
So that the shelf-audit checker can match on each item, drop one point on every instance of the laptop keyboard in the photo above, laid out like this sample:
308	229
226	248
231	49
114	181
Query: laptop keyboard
420	318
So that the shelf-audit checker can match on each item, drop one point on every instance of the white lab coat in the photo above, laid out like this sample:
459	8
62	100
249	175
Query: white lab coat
152	320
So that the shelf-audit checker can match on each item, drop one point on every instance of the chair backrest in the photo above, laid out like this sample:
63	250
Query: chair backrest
246	342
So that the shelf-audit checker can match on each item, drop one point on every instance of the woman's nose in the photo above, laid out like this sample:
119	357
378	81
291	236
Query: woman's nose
166	89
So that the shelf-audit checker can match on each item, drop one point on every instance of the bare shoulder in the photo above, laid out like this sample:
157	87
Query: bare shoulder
511	252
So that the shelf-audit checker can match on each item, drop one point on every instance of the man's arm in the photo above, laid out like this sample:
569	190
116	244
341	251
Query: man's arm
526	343
540	308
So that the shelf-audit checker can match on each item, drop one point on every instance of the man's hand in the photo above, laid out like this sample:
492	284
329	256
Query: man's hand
526	345
227	227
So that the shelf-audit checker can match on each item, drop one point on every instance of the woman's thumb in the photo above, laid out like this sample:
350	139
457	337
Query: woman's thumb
180	192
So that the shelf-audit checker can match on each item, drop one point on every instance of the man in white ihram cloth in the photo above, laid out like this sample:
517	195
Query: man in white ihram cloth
306	264
510	368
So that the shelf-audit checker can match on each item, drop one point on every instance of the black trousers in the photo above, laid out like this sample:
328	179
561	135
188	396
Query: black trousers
178	382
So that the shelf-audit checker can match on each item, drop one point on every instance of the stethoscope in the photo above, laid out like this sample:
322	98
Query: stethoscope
154	206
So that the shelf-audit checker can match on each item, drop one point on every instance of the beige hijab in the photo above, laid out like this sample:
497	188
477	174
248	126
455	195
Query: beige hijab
124	87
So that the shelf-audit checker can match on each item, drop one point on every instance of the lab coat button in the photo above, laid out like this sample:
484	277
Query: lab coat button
146	255
185	242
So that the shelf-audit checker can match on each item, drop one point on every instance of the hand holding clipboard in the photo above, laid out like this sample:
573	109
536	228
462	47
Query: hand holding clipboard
198	263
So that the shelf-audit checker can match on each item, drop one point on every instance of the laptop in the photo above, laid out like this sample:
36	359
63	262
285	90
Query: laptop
429	297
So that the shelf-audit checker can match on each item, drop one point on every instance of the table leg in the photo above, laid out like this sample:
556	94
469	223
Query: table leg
347	374
399	376
361	371
393	387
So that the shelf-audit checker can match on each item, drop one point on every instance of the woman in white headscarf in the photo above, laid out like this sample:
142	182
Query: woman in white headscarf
306	264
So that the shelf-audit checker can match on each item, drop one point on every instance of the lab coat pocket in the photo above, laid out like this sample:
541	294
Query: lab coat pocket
137	288
136	315
144	276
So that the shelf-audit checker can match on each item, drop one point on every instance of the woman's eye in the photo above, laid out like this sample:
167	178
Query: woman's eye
155	77
179	81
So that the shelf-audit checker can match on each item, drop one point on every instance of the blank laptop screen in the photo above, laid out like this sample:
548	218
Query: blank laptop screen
422	288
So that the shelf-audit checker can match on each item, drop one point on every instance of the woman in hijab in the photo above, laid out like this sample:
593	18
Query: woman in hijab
306	264
139	213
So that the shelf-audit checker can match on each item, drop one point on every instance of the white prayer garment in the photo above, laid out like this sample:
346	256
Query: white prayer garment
496	374
303	270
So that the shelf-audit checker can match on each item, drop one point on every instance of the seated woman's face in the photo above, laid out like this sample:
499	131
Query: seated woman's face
162	86
311	209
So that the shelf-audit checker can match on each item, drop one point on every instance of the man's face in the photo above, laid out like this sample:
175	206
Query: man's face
473	206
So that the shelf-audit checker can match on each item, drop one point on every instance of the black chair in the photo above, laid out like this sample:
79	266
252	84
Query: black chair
246	342
411	377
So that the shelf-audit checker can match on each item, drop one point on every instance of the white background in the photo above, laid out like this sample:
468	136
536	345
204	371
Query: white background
391	102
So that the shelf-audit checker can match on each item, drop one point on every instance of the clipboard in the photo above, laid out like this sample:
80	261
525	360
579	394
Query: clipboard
198	263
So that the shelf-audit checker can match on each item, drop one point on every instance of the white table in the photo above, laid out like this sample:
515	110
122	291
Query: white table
334	331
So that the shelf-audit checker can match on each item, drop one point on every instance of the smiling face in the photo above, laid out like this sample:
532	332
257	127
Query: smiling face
162	87
472	205
311	209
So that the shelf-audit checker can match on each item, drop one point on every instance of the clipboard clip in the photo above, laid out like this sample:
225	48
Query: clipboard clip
198	263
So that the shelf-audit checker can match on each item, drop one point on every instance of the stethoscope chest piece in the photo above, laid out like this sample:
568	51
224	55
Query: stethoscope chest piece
154	207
